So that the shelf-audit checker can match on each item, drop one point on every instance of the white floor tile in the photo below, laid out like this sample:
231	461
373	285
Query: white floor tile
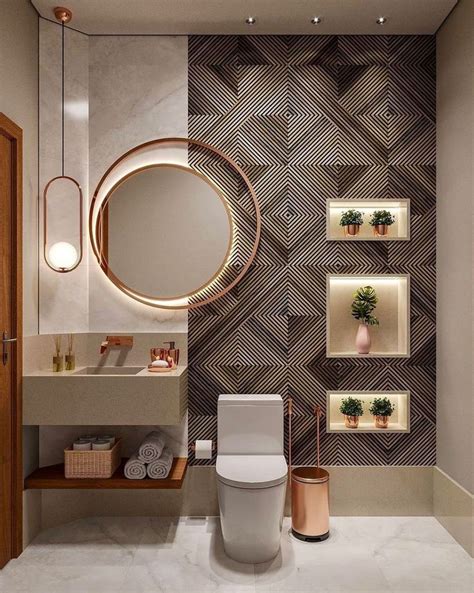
186	555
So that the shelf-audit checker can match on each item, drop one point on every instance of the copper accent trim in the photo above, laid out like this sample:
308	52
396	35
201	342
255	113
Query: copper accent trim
103	228
45	224
317	413
310	475
382	421
162	302
351	230
310	506
381	230
120	341
290	414
351	421
116	342
64	15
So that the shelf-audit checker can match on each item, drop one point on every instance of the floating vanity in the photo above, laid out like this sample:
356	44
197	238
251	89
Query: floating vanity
121	396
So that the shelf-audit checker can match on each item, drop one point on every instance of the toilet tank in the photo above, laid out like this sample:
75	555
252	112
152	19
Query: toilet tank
250	424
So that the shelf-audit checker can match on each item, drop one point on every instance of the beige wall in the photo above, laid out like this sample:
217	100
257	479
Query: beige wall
19	102
455	209
63	297
138	91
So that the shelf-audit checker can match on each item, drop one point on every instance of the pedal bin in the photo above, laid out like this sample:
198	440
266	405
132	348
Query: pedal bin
310	503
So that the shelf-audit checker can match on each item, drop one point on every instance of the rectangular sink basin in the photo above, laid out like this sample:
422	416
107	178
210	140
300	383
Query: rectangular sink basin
108	371
105	396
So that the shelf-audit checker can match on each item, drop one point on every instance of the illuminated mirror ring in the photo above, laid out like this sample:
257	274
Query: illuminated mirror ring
143	190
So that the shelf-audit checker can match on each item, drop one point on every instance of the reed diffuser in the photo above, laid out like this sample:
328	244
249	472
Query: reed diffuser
70	357
58	363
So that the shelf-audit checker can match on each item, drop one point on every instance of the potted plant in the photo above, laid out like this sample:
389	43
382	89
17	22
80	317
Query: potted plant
381	408
365	301
351	221
351	407
380	221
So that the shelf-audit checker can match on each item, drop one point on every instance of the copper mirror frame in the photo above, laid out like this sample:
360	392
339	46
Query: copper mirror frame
215	288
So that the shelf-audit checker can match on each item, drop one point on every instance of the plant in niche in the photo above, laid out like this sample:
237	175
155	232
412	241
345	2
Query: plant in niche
381	408
364	302
381	220
351	221
352	408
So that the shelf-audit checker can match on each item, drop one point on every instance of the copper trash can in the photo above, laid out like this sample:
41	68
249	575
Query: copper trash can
309	492
310	504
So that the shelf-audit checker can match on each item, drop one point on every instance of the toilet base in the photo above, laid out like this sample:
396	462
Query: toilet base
310	538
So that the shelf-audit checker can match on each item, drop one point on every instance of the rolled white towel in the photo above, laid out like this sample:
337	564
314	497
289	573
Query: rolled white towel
134	469
160	468
151	447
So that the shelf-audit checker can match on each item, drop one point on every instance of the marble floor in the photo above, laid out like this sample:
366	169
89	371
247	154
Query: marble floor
145	555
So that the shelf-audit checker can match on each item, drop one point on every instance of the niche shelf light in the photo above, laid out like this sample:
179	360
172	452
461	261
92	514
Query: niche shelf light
390	339
398	231
399	421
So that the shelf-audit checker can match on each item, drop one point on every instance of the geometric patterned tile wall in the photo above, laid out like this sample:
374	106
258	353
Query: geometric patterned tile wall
310	118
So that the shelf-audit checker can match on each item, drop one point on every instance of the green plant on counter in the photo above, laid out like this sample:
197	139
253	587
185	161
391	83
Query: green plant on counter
381	406
381	217
351	406
351	217
365	301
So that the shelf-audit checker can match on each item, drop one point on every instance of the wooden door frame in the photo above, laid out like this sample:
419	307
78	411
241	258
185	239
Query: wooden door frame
15	134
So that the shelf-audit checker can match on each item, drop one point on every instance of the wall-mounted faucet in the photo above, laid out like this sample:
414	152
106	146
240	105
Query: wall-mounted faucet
116	342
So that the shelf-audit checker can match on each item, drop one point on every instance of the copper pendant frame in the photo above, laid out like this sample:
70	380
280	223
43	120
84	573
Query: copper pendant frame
63	15
99	202
45	224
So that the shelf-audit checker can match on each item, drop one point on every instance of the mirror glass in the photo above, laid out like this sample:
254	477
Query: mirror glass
165	231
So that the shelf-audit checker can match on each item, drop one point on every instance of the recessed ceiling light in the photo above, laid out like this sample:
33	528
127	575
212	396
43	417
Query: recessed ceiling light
316	20
381	20
250	20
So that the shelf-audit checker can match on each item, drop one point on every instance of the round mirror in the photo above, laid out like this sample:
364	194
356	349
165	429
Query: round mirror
164	232
174	235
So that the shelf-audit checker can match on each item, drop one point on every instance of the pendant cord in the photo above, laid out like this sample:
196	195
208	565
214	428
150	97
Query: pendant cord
62	99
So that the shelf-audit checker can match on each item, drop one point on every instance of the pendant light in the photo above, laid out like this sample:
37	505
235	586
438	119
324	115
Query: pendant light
62	256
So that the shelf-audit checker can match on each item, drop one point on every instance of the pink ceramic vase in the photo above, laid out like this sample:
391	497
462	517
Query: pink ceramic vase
363	341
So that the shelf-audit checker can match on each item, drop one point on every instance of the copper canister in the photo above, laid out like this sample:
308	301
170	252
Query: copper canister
310	503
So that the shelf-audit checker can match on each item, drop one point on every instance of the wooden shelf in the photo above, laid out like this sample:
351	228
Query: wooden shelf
366	427
52	477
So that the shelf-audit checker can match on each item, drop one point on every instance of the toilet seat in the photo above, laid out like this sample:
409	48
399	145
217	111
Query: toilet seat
251	471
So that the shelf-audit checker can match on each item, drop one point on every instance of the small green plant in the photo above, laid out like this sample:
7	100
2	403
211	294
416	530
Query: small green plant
381	406
351	217
351	406
381	217
365	301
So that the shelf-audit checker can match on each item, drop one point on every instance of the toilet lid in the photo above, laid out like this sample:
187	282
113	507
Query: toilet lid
251	471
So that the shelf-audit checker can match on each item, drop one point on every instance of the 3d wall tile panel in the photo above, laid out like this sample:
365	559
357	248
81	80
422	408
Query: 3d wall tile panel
311	118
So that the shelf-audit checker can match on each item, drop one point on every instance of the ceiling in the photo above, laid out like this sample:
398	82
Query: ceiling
404	17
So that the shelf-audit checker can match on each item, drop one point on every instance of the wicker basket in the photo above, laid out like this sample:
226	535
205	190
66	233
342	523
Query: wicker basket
91	464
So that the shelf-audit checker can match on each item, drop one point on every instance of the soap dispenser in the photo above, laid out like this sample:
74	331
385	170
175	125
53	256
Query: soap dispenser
173	352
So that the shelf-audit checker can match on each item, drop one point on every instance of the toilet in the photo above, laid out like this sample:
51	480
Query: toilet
251	475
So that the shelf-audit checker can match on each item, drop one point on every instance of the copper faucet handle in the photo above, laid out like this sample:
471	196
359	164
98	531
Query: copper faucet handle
317	411
123	341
